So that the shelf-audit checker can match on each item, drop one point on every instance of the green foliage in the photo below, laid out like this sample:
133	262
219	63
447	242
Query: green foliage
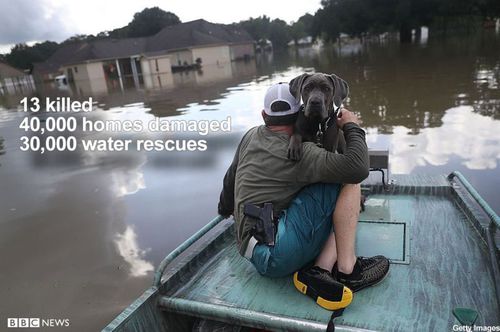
260	28
325	26
279	33
78	38
302	28
146	23
358	17
23	56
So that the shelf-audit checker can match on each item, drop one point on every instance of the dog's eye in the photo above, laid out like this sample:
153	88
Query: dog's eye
307	88
325	88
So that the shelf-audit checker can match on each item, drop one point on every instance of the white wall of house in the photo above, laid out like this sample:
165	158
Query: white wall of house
95	70
145	70
157	71
160	65
241	50
178	58
156	65
212	55
86	71
79	71
89	78
97	80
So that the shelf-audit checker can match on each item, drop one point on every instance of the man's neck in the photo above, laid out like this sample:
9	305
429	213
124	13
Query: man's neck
282	128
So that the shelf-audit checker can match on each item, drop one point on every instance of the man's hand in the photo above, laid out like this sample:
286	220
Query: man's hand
346	116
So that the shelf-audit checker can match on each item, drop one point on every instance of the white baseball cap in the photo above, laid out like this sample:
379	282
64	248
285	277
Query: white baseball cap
280	92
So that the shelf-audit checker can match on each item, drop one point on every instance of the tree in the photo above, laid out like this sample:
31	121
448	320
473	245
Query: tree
258	27
146	23
302	28
357	17
279	34
78	38
327	29
277	31
23	56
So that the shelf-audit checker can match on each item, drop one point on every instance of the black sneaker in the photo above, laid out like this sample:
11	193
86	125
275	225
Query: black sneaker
367	271
320	285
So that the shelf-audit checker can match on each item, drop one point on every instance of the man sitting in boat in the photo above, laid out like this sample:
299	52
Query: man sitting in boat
308	197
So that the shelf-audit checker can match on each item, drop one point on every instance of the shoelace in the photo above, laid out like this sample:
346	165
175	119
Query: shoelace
371	267
365	262
375	270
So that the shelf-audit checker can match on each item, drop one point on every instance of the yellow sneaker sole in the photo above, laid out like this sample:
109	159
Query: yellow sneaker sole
328	305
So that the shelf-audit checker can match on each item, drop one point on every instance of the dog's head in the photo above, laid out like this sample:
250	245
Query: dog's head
321	94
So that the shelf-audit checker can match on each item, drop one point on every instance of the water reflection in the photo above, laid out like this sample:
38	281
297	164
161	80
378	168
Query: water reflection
204	76
132	254
488	77
126	176
487	99
464	134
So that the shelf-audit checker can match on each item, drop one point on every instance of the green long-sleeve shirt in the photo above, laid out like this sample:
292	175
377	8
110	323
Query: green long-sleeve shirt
261	172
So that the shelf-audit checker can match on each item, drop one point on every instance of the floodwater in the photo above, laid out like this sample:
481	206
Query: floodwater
81	232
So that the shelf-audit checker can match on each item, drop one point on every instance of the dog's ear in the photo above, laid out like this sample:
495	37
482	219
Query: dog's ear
341	89
296	85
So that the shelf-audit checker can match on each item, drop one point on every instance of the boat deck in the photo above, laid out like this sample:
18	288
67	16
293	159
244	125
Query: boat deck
439	262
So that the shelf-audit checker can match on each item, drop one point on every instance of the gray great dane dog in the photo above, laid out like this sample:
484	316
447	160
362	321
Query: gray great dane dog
322	96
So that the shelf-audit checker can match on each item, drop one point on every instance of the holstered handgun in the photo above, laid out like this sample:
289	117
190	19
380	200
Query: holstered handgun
264	229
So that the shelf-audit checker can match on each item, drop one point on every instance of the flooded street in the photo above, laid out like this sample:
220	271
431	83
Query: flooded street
81	232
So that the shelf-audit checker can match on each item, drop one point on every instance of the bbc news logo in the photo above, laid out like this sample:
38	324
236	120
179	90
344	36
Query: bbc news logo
36	322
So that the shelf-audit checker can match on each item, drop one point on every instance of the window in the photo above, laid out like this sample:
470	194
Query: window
76	69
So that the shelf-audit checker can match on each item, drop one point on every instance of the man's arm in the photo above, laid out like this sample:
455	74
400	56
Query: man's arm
226	200
319	165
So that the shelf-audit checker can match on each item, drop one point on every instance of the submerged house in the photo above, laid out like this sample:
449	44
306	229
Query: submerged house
14	81
134	61
98	64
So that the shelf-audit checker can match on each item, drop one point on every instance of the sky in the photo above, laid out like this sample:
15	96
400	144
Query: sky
30	21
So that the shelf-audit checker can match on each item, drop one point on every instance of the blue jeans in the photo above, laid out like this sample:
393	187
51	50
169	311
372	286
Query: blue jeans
303	229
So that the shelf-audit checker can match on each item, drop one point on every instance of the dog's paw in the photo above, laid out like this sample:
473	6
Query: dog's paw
295	147
295	152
